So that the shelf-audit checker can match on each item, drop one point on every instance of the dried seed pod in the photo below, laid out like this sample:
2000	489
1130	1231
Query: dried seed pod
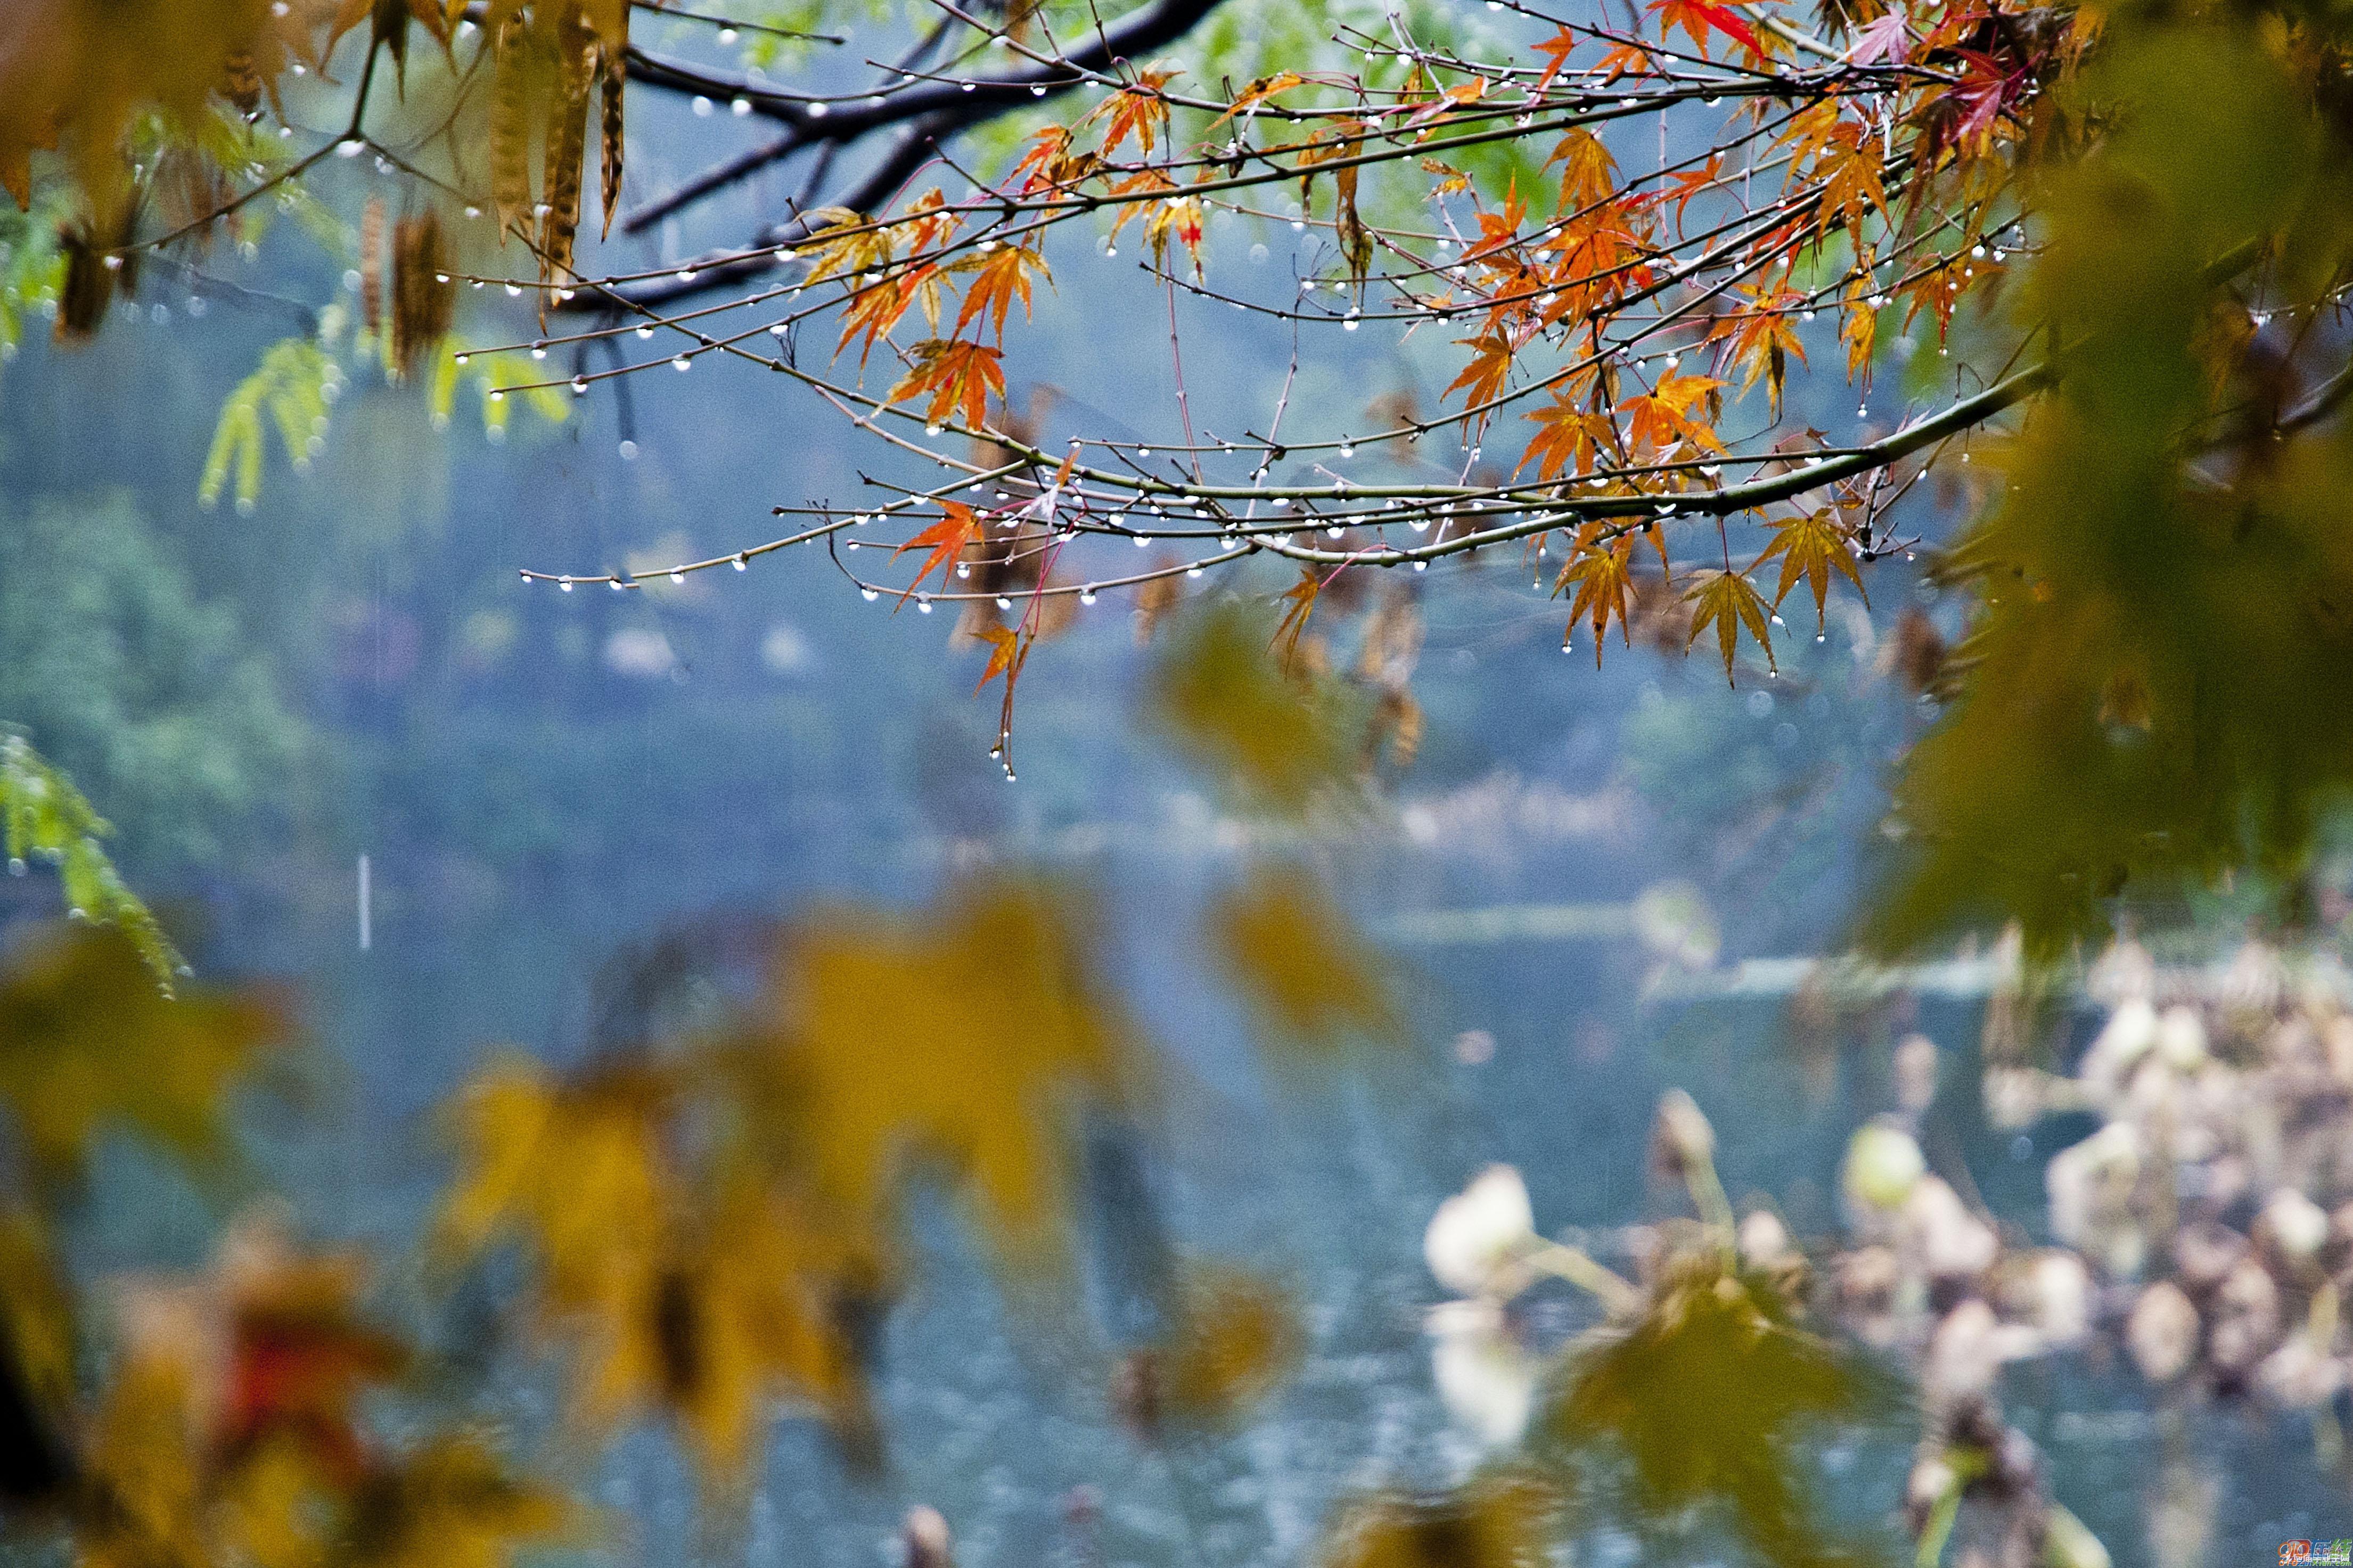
372	266
241	82
424	296
567	136
616	71
513	81
88	286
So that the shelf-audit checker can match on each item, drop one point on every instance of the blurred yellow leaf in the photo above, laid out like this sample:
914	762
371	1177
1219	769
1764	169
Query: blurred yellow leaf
452	1504
1502	1520
703	1300
1708	1395
1234	1338
1298	958
74	72
960	1038
88	1043
1272	741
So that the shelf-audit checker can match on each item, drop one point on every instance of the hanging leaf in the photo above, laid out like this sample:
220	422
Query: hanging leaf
1728	601
44	816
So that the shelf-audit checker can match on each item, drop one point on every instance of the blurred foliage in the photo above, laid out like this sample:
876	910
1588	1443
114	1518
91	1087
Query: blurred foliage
42	815
1298	959
1504	1520
1234	1338
147	694
714	1225
88	1045
2162	585
1767	1382
293	384
1272	741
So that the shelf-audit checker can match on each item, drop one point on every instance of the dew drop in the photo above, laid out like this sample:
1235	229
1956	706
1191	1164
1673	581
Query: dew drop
682	364
869	595
742	561
1086	595
922	603
565	584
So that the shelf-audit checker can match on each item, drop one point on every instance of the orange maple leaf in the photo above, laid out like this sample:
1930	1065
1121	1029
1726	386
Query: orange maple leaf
946	539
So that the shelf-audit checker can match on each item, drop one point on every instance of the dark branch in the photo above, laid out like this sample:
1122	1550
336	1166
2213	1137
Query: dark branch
927	113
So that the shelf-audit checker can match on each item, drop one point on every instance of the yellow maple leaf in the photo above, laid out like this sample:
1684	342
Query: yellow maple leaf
1813	546
1299	960
1728	601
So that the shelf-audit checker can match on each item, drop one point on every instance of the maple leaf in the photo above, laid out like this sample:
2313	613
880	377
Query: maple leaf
1728	601
1850	181
1490	370
1698	18
1049	149
957	1042
1555	51
1706	1325
1257	93
1299	600
1567	438
1139	111
875	310
1687	183
88	1044
999	277
1298	958
703	1300
849	243
1764	338
1277	741
959	376
1601	571
1233	1339
1859	329
1813	546
1662	417
947	539
1887	39
1008	651
1624	58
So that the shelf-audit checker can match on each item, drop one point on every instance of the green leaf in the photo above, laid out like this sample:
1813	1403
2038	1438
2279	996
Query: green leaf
44	816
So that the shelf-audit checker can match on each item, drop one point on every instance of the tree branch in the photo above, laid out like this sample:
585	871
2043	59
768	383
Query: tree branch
928	114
